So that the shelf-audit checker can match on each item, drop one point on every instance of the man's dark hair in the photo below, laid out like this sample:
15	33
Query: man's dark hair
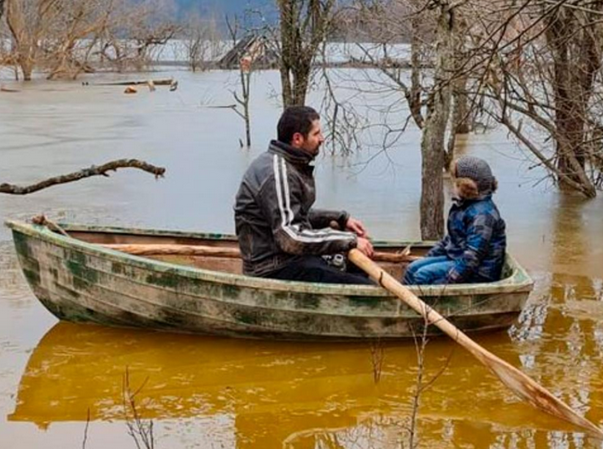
295	119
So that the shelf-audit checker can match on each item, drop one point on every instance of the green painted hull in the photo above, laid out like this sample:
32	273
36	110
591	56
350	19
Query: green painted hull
85	282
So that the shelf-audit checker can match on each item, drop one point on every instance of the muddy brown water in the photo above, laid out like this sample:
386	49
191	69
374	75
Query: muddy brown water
223	393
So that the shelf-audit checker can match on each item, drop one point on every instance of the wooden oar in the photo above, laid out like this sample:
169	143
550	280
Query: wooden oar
158	249
523	386
174	250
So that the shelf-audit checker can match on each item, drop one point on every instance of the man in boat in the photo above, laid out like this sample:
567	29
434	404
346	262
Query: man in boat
280	235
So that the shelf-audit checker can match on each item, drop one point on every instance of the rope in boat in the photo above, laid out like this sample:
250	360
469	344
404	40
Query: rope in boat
41	220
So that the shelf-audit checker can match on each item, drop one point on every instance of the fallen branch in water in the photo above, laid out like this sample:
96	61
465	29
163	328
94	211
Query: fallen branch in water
158	82
100	170
8	89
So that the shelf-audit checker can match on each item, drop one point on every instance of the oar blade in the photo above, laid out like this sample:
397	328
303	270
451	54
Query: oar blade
538	396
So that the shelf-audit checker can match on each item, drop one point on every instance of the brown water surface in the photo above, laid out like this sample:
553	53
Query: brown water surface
211	392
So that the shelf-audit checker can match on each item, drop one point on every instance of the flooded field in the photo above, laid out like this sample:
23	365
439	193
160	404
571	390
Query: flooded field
62	384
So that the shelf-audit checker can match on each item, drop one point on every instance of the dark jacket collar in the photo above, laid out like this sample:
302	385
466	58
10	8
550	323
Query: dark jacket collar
293	155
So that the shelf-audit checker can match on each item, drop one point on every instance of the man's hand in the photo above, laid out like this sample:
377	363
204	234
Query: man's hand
365	247
356	227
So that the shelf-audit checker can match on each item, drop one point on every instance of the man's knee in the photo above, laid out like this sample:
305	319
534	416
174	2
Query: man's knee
359	279
343	277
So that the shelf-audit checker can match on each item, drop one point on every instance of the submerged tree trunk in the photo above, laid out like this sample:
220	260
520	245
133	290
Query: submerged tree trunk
414	97
461	112
301	81
434	129
576	61
245	60
461	117
461	120
295	62
23	41
26	65
245	86
303	27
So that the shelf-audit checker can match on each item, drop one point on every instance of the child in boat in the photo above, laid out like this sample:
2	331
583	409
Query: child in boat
474	248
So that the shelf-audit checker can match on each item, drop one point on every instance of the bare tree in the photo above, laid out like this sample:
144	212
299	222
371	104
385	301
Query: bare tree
434	49
436	121
304	25
6	46
544	75
462	109
246	52
68	47
200	39
55	34
27	21
533	66
150	26
64	36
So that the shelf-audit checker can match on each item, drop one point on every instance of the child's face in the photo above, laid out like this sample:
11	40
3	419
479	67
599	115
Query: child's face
455	189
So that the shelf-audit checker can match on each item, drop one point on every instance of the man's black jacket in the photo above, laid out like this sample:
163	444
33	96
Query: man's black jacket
274	219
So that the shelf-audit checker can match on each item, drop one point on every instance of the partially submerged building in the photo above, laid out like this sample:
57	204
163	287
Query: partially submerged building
254	49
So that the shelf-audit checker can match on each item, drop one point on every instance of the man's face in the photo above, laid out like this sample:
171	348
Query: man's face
312	142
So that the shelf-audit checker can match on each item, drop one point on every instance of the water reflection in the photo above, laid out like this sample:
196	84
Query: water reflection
560	331
276	394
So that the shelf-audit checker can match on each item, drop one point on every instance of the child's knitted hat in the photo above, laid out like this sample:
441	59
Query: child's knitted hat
477	170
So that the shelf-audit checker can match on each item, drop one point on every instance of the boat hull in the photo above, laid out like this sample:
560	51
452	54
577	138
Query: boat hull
84	282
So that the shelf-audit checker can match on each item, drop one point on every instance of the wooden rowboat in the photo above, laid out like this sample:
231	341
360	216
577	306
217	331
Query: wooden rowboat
78	278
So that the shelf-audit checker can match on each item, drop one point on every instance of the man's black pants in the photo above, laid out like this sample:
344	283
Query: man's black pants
316	269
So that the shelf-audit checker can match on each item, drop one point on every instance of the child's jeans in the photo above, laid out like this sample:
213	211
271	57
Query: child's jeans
428	271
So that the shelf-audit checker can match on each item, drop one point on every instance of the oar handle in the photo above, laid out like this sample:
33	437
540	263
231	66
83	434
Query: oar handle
429	314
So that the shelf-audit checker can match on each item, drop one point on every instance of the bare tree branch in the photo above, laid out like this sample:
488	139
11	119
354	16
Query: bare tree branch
100	170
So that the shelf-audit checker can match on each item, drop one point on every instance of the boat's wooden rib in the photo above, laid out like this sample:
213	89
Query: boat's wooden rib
225	252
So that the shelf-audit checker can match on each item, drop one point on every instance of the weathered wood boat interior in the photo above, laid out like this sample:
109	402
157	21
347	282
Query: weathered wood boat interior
219	252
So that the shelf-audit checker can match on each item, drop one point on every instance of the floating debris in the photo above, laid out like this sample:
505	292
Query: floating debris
8	89
159	82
